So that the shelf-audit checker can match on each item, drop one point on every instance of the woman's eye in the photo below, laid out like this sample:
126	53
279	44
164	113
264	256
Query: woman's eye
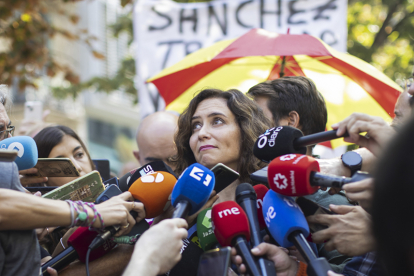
217	121
196	126
79	154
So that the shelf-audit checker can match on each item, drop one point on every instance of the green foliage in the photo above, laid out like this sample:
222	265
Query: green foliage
380	32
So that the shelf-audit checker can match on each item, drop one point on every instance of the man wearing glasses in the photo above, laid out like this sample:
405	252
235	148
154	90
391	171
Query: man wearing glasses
6	129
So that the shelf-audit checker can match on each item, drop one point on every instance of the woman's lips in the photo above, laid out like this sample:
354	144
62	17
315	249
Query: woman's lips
207	147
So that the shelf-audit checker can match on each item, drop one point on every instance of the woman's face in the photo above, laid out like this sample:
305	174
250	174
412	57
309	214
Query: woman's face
216	134
72	149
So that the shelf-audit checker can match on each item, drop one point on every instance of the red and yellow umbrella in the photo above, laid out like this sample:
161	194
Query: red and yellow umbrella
347	83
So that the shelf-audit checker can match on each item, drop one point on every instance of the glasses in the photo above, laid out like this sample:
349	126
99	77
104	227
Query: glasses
5	133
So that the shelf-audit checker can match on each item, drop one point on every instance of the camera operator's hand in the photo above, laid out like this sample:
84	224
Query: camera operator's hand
378	131
361	191
349	231
26	180
115	211
285	265
158	249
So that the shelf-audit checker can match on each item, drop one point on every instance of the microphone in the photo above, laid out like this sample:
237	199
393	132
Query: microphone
190	257
78	246
288	226
205	230
130	177
27	150
298	175
261	191
247	199
283	140
231	228
153	190
192	190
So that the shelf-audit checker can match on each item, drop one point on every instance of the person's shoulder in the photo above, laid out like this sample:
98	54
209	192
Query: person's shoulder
9	176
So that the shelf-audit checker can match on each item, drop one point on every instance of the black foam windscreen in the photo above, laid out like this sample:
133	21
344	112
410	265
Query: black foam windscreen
276	142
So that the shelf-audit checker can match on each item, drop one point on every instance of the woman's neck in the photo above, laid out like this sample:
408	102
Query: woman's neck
229	193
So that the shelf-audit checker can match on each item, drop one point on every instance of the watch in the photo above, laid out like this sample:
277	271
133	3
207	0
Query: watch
352	160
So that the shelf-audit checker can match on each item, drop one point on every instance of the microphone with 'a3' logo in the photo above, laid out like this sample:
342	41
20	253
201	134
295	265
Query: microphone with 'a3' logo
192	190
298	175
288	226
231	228
26	151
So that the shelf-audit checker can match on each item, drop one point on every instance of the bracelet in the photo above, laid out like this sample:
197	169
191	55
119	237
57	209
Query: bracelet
62	243
302	269
82	215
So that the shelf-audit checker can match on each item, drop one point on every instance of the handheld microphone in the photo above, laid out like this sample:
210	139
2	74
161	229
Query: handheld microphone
153	190
192	190
288	226
78	246
247	199
231	228
205	230
130	177
261	191
283	140
27	150
298	175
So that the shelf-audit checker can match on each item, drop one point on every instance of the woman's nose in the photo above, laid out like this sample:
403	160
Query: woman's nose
77	166
203	133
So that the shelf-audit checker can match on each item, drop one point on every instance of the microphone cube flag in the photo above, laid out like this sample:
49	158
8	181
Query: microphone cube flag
229	221
283	216
261	191
290	174
276	142
205	231
194	186
27	150
153	190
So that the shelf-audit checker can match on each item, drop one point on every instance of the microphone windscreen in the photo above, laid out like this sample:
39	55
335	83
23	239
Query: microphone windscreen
261	191
229	221
153	190
290	174
194	186
80	240
276	142
205	230
27	150
283	216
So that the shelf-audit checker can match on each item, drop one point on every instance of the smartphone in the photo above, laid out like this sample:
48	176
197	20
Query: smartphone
113	180
42	189
33	111
86	188
102	166
110	191
310	208
8	155
215	262
224	176
55	167
260	176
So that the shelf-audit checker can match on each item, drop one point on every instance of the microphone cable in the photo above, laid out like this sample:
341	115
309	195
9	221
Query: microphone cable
87	260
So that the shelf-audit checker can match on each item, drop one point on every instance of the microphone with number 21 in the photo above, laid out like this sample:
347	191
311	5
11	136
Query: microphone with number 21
192	190
288	226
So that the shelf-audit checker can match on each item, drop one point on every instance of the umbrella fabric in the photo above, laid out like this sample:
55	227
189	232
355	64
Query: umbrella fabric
347	83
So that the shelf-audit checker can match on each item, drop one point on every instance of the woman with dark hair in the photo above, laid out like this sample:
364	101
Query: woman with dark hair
63	142
220	127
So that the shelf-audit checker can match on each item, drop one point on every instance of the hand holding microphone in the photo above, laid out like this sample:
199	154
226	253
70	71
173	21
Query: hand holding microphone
158	249
378	131
349	231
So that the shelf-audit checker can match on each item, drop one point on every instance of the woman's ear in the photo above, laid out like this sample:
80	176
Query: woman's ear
294	119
